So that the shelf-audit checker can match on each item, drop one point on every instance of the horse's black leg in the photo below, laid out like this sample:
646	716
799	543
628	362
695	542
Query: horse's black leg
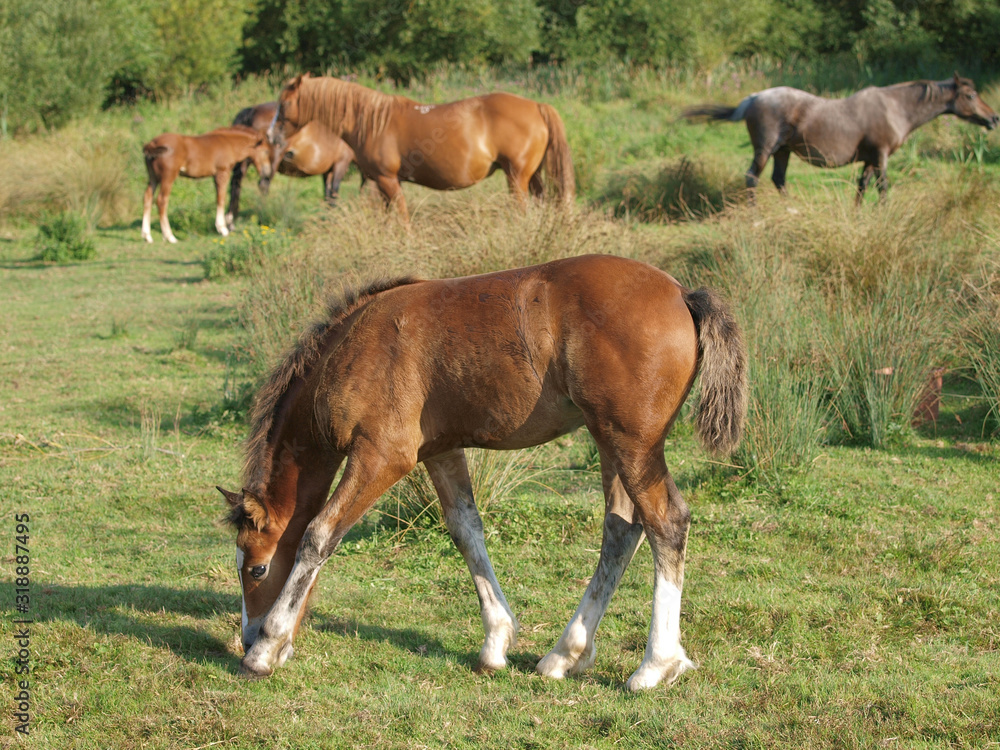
882	176
780	166
866	176
235	183
753	174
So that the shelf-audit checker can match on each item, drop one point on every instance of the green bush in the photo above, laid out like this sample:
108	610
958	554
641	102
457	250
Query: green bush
397	38
243	251
59	55
681	189
65	237
883	345
981	324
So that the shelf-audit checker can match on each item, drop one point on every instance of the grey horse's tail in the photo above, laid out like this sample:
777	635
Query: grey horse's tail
722	405
718	111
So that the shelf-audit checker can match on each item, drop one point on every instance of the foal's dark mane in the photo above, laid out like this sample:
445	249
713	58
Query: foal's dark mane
268	407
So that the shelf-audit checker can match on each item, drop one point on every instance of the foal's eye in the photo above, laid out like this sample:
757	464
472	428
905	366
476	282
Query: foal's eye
258	571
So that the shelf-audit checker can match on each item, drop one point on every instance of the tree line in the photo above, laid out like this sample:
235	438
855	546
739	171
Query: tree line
63	58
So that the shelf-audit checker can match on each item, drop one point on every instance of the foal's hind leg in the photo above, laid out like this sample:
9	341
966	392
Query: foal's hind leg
574	652
666	519
147	208
162	201
450	475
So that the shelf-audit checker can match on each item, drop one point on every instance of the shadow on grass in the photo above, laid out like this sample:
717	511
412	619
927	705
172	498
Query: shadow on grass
128	610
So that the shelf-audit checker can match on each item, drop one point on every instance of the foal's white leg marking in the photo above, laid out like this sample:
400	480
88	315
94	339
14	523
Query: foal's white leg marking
665	657
220	221
147	233
466	529
168	235
574	652
273	645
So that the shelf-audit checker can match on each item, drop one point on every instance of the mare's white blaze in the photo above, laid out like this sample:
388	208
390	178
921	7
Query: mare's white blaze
239	576
270	128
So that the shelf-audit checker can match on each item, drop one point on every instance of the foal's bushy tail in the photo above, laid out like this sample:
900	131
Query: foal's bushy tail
558	160
722	407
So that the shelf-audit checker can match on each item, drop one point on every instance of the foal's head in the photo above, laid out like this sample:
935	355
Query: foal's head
260	155
263	562
969	106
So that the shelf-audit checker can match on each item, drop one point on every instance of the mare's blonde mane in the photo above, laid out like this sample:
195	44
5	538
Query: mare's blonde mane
341	104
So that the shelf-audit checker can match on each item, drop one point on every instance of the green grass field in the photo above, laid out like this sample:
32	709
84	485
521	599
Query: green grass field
850	601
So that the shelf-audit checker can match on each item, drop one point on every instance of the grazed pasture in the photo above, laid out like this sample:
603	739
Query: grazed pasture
851	600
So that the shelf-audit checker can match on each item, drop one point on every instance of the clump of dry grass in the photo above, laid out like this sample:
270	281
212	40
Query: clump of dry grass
980	325
677	190
362	241
84	170
412	502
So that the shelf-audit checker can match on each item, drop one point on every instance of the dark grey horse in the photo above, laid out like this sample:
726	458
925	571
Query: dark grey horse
867	126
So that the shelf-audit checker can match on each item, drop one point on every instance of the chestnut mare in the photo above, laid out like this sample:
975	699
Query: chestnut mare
440	146
411	370
867	126
311	150
210	155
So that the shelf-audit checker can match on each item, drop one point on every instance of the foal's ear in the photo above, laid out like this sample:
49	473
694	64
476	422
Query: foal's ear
255	510
958	79
235	499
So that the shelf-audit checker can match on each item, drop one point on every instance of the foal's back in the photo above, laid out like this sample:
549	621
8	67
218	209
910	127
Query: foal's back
203	155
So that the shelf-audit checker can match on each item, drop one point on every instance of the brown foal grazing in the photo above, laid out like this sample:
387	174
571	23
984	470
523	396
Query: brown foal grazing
867	126
311	150
213	154
440	146
414	371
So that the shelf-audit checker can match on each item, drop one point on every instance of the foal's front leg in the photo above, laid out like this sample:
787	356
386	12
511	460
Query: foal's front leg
221	178
450	475
368	474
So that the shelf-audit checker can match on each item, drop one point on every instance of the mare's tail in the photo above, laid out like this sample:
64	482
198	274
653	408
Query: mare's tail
722	406
558	160
718	111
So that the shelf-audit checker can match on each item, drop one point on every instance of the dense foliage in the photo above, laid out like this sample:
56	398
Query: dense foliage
65	57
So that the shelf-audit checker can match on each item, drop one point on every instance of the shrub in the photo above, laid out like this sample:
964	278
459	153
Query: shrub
781	317
412	503
681	189
882	346
981	328
242	251
65	237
